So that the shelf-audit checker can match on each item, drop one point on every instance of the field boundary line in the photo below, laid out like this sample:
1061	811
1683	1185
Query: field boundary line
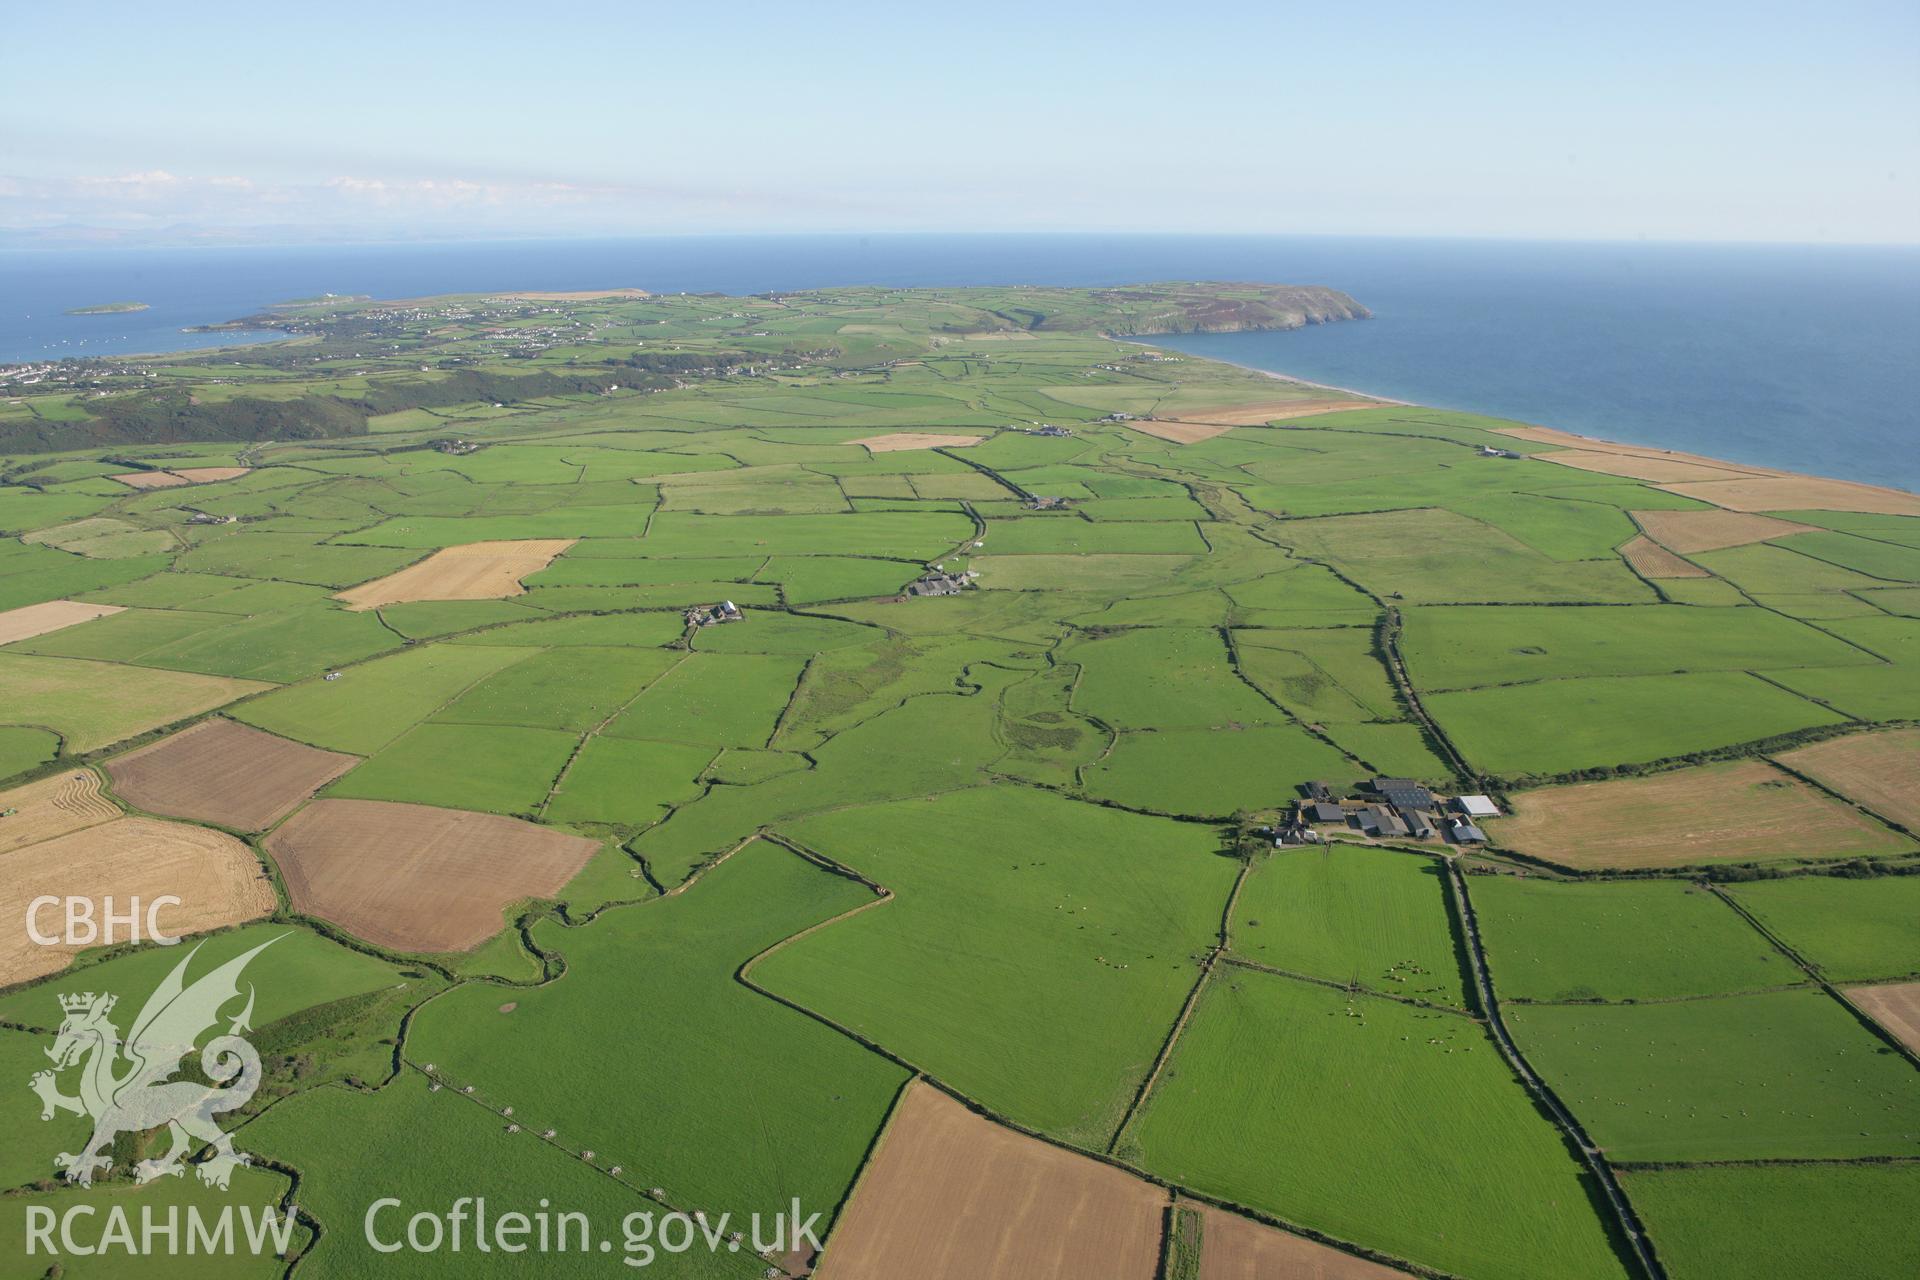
1626	1225
1350	989
1186	1011
1822	787
1820	979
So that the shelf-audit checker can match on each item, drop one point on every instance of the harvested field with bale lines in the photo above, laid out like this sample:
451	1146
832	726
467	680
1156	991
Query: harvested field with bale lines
224	772
1711	813
474	571
53	807
949	1193
217	879
416	878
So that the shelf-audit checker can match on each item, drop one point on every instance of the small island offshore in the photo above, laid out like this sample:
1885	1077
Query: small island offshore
1268	822
107	309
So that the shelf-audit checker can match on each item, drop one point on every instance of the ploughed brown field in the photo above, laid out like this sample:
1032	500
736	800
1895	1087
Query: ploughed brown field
223	772
1895	1007
1744	810
53	807
217	879
55	615
1236	1248
1878	770
1651	560
415	878
950	1195
475	571
895	441
179	476
1690	531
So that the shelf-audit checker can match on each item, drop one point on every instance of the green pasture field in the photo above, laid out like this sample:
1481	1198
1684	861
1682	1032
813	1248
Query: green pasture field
1042	770
21	748
29	575
372	704
1629	940
1164	677
292	557
490	767
720	700
1044	535
1468	647
573	688
647	629
251	1192
1852	930
1398	750
807	580
1851	1220
1211	772
1035	952
343	1144
1552	727
1443	1158
427	619
1320	675
769	631
1778	1075
726	1100
122	637
624	782
906	535
1374	918
1441	557
94	704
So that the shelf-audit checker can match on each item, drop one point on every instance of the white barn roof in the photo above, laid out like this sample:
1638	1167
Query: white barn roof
1479	807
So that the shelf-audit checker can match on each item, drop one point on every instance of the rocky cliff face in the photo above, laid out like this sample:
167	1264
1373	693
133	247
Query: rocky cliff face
1226	308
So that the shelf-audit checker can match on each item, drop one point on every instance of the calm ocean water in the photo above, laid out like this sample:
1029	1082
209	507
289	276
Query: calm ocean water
1798	357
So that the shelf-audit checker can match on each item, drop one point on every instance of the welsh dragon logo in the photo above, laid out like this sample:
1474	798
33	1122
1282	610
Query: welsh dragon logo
126	1086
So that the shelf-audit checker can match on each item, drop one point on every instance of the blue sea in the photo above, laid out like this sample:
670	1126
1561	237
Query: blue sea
1789	356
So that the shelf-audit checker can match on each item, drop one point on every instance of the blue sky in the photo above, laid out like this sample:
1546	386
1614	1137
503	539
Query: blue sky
1707	121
